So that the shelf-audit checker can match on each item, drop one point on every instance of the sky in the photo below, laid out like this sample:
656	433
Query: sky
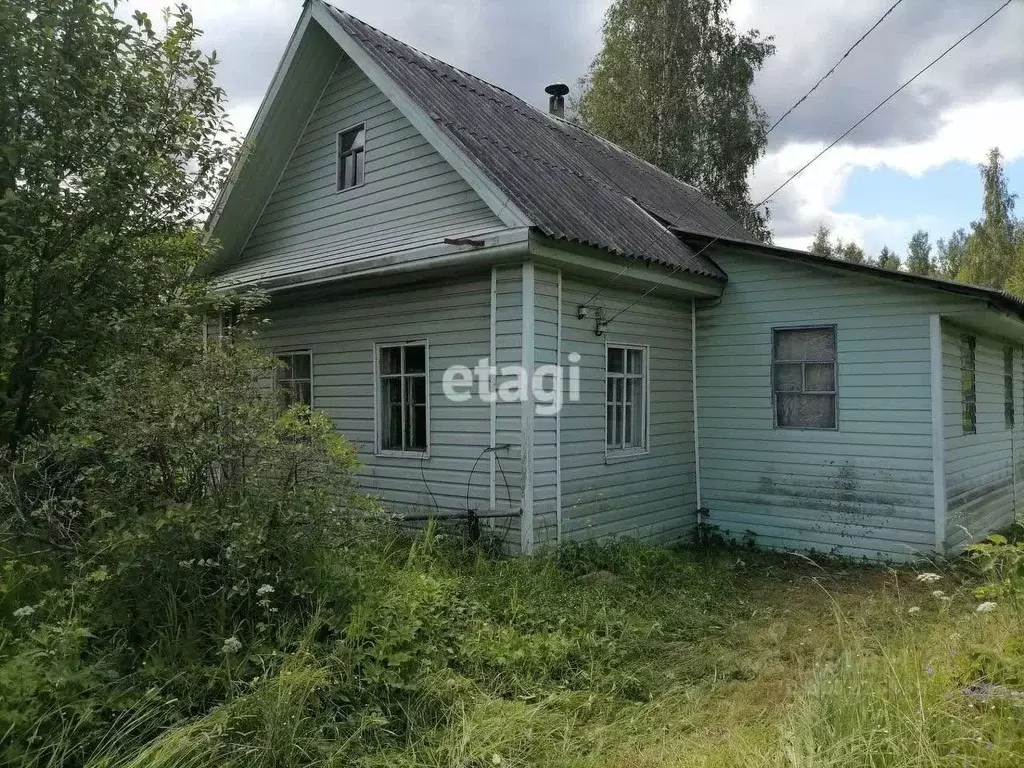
913	165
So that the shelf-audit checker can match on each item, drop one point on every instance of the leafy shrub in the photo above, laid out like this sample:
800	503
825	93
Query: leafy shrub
175	531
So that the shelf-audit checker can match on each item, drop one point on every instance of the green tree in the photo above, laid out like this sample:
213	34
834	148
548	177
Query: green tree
992	246
888	259
851	252
672	84
822	245
952	254
919	254
112	140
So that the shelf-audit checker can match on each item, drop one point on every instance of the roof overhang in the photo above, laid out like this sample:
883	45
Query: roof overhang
994	299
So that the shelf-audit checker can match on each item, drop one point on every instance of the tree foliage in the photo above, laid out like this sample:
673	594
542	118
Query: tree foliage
822	245
919	254
952	254
888	259
112	140
851	252
672	84
993	247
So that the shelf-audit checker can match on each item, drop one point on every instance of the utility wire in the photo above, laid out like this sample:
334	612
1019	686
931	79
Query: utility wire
814	159
835	66
799	101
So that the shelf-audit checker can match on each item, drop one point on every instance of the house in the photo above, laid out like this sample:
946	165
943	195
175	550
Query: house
435	247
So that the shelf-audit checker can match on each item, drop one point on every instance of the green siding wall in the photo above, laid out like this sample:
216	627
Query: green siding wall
980	487
508	336
412	197
454	318
545	427
649	497
862	490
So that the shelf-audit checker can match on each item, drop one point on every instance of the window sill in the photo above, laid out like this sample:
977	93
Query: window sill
341	190
403	454
632	454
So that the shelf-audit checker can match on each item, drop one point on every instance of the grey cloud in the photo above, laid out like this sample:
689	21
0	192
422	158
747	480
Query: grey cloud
912	36
523	45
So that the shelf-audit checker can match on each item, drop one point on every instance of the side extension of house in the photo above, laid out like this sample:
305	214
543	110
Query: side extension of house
868	487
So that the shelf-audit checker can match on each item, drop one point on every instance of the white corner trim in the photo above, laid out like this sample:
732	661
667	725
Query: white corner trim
558	423
526	526
493	385
696	427
938	435
497	201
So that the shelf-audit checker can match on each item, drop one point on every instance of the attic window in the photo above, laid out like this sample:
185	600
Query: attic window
351	153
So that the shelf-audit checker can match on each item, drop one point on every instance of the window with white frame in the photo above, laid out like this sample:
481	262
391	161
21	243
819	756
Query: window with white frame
626	404
293	378
402	397
351	157
804	377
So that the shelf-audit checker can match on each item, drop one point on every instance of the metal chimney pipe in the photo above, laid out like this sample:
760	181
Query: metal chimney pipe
556	104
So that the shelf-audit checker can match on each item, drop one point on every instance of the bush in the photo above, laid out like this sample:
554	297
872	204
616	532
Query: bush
174	533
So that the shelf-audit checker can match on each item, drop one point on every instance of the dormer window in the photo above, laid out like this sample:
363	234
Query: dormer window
351	148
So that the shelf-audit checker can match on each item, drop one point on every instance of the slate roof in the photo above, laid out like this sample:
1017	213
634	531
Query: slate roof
573	185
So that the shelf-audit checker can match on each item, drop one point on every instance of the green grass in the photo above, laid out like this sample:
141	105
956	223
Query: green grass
613	656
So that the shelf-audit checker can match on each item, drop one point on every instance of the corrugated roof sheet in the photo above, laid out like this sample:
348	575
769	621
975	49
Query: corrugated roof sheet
573	185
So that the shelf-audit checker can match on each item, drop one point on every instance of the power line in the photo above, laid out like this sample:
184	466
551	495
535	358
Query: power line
800	101
814	159
835	66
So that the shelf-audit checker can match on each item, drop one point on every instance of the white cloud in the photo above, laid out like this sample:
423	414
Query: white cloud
965	134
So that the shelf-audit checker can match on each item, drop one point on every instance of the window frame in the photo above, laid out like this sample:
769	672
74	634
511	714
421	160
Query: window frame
612	454
294	352
378	448
339	156
969	341
1009	390
834	328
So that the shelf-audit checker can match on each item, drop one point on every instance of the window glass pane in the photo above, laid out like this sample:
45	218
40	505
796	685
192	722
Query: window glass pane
391	414
353	139
416	390
303	392
788	377
359	171
806	411
285	394
805	344
611	390
285	371
415	359
610	426
416	439
390	360
627	425
639	416
615	361
348	174
300	367
819	377
635	360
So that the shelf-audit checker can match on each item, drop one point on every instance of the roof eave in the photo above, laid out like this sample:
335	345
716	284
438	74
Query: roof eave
997	299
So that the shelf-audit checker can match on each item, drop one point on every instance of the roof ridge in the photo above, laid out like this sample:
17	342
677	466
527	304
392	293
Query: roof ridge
424	54
531	112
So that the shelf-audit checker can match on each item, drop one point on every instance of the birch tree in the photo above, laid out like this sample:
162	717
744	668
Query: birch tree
672	84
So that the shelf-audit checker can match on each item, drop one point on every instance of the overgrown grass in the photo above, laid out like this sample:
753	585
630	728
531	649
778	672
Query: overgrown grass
431	654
